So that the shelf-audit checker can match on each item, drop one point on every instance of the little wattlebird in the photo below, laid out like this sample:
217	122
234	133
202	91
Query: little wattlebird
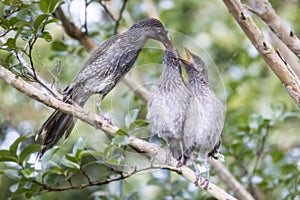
167	105
99	75
204	119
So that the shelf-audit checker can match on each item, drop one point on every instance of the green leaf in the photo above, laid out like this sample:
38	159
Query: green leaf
14	147
1	10
14	21
121	132
53	20
92	153
11	173
120	140
7	156
113	161
277	156
27	151
11	43
19	191
131	117
69	162
139	123
59	46
93	162
49	6
39	20
47	158
46	36
79	145
29	172
54	170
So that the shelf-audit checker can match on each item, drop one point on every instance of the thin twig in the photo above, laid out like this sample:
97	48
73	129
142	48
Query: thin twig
260	151
107	11
117	22
85	17
106	181
118	19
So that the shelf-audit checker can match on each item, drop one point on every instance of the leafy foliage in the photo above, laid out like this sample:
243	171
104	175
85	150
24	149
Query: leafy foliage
260	139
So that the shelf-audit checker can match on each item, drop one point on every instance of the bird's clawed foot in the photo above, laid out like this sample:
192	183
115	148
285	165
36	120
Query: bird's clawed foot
181	162
205	182
197	175
106	120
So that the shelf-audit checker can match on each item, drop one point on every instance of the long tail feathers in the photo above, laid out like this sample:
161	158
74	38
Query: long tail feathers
53	129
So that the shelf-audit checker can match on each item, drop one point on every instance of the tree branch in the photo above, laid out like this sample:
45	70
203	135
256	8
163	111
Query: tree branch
273	58
74	31
31	71
116	18
84	115
266	12
225	175
108	180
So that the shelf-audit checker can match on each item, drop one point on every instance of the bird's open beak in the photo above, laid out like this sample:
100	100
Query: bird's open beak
188	59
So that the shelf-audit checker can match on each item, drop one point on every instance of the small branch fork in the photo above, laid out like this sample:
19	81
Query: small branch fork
266	12
116	19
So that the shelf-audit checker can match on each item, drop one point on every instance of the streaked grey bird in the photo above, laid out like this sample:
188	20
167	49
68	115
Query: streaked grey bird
100	73
167	105
205	116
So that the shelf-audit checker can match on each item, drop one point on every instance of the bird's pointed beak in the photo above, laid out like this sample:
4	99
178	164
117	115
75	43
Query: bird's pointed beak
165	39
188	60
171	43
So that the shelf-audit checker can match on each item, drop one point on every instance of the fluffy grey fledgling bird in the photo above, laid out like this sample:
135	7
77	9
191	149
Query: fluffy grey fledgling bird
100	73
167	105
204	117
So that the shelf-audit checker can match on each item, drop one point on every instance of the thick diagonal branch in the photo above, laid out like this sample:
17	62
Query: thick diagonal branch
273	58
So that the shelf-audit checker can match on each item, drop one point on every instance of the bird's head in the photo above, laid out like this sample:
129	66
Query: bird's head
171	55
152	28
195	67
193	62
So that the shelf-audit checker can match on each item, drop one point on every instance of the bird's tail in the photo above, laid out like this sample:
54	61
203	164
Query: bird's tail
179	154
54	128
57	125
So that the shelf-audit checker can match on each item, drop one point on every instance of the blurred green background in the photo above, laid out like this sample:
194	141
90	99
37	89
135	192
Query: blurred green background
261	141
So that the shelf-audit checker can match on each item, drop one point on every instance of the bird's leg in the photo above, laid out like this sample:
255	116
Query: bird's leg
182	158
197	170
98	106
206	181
168	155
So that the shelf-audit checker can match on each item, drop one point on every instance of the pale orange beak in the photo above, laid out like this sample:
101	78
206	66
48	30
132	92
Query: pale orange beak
188	59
